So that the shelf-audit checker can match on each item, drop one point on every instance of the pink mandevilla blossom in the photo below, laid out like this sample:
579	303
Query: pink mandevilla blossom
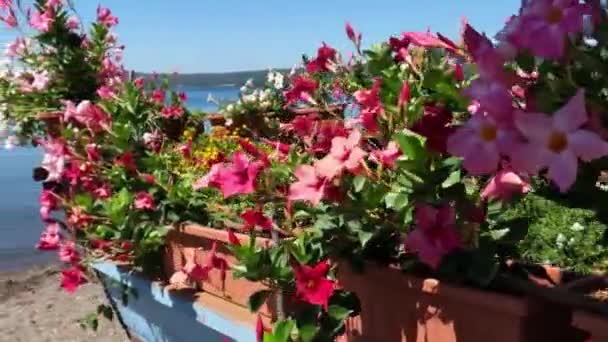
144	201
427	40
557	142
388	156
17	48
326	56
72	23
103	191
210	179
4	4
354	36
68	253
301	89
48	202
345	154
42	21
435	234
256	218
239	177
172	112
49	240
105	92
105	17
88	114
505	184
371	106
480	142
544	25
310	186
9	19
72	278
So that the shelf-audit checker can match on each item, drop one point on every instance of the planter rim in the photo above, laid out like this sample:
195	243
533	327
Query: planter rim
495	301
218	234
589	321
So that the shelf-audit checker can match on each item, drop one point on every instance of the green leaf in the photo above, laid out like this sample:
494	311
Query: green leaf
338	313
452	179
258	299
324	222
498	234
282	330
364	237
84	200
359	183
412	146
396	201
308	332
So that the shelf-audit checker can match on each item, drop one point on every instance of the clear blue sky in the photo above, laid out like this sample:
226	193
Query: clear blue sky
229	35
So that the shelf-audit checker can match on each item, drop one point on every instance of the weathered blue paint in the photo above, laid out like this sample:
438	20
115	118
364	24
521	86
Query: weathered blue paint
156	315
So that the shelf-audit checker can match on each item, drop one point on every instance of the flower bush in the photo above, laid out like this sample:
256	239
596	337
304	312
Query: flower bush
413	153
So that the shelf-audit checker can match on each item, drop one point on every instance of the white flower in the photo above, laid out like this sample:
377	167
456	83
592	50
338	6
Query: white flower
230	107
571	242
243	89
249	98
228	122
270	76
265	104
560	240
278	81
577	227
249	83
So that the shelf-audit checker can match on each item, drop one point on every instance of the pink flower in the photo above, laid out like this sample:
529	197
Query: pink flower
480	142
93	153
435	234
42	21
144	201
210	179
87	114
256	218
127	161
186	150
301	89
312	285
4	4
504	185
72	23
72	278
158	96
240	177
49	240
493	96
427	40
488	61
54	164
399	47
48	202
41	80
68	253
544	26
105	17
404	96
371	106
310	186
17	48
139	83
105	92
172	112
103	191
9	19
388	156
326	132
152	140
326	55
304	125
354	37
557	142
53	3
345	154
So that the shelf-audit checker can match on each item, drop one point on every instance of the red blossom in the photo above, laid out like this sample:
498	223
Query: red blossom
50	238
371	106
326	55
301	89
172	112
158	96
435	127
148	178
232	238
68	253
127	161
256	218
72	278
312	285
144	201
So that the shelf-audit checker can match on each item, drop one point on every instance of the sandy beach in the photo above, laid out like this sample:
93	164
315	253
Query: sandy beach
34	308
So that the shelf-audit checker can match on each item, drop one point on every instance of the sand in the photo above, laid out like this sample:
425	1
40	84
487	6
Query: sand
34	308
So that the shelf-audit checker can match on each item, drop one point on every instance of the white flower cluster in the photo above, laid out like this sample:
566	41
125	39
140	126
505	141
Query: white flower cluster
251	99
8	138
275	79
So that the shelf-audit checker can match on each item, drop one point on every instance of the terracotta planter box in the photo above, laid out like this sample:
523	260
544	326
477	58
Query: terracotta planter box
198	240
595	325
400	307
591	315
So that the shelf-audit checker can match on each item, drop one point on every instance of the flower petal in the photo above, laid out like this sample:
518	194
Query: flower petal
587	145
572	115
562	170
534	126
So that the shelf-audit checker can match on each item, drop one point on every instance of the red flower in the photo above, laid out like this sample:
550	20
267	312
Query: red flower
301	89
325	56
148	178
103	245
399	47
144	201
68	253
260	329
434	126
49	240
127	161
172	112
139	82
72	278
354	37
233	238
158	96
182	96
93	153
312	285
427	40
255	218
48	202
79	218
371	106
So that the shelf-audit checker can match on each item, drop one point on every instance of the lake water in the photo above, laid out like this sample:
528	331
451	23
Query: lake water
20	224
